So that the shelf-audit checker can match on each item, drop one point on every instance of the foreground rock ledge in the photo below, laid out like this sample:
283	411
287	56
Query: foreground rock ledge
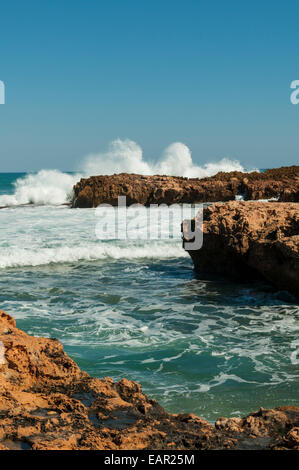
47	402
282	183
250	239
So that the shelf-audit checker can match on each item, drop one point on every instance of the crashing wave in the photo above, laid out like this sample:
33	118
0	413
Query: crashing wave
53	187
45	187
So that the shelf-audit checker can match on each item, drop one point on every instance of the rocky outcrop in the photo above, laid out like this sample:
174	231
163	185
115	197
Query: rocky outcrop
251	239
146	190
270	184
47	402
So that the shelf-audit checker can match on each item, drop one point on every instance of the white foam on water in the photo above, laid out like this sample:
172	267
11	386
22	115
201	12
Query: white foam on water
39	236
45	187
10	258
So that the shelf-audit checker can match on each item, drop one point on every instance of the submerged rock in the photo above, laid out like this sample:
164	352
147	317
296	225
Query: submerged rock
146	190
251	239
47	402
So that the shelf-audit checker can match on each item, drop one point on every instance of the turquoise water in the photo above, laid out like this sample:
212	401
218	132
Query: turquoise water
7	180
136	309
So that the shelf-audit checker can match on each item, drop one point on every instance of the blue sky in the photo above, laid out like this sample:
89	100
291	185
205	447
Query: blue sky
214	75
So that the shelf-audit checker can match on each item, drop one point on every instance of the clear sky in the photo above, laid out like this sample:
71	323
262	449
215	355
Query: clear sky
214	75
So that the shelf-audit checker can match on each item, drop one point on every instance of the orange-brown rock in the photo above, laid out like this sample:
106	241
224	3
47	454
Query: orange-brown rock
250	239
271	183
146	190
47	402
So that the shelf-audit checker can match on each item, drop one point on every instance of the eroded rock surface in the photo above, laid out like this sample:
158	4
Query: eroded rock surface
246	239
47	402
146	190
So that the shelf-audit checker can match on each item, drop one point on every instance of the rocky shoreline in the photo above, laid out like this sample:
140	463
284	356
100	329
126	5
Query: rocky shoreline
281	183
251	240
47	402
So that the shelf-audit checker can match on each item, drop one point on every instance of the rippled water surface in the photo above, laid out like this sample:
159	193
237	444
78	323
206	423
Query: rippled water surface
138	310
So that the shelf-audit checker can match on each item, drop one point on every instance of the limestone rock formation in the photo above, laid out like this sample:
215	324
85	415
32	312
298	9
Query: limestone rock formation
250	239
47	402
146	190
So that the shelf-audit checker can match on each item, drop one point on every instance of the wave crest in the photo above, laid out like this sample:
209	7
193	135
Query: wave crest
53	187
45	187
176	160
20	257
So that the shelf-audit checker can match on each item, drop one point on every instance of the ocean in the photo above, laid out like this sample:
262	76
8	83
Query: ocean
137	309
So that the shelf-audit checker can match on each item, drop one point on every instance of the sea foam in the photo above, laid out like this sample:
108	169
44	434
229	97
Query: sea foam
19	257
176	160
53	187
45	187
